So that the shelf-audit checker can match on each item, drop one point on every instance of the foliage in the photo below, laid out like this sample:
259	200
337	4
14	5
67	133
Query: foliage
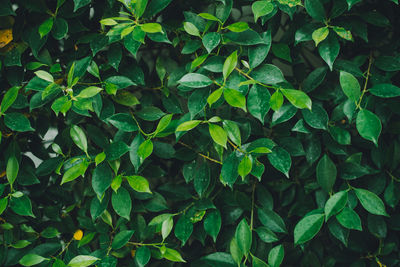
201	133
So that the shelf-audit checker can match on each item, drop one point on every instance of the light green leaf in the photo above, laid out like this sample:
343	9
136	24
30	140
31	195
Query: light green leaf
297	98
261	8
31	259
89	92
229	64
138	183
44	75
151	27
82	261
188	125
240	26
191	29
320	34
235	98
245	166
74	172
46	27
218	134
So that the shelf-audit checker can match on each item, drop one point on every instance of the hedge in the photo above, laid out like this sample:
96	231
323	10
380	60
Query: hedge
199	133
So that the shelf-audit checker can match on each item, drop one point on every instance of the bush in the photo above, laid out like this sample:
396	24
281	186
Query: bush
201	133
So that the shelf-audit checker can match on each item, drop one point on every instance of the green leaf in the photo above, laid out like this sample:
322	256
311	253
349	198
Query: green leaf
82	261
349	219
142	256
138	183
280	159
368	125
307	228
17	122
282	51
297	98
258	262
266	235
271	220
191	29
218	134
258	102
320	34
275	256
121	239
31	259
316	118
235	98
384	90
201	178
212	223
243	236
22	206
261	8
326	173
371	202
315	9
329	49
74	172
122	203
350	86
268	74
12	169
101	179
79	137
211	40
183	229
233	131
80	3
8	99
229	170
335	204
195	80
350	3
123	122
46	27
229	64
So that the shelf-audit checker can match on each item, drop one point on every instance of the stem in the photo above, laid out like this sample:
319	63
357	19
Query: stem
200	154
252	206
250	78
236	147
366	81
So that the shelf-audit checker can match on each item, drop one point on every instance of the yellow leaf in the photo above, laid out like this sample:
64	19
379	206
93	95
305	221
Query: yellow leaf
78	234
5	37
